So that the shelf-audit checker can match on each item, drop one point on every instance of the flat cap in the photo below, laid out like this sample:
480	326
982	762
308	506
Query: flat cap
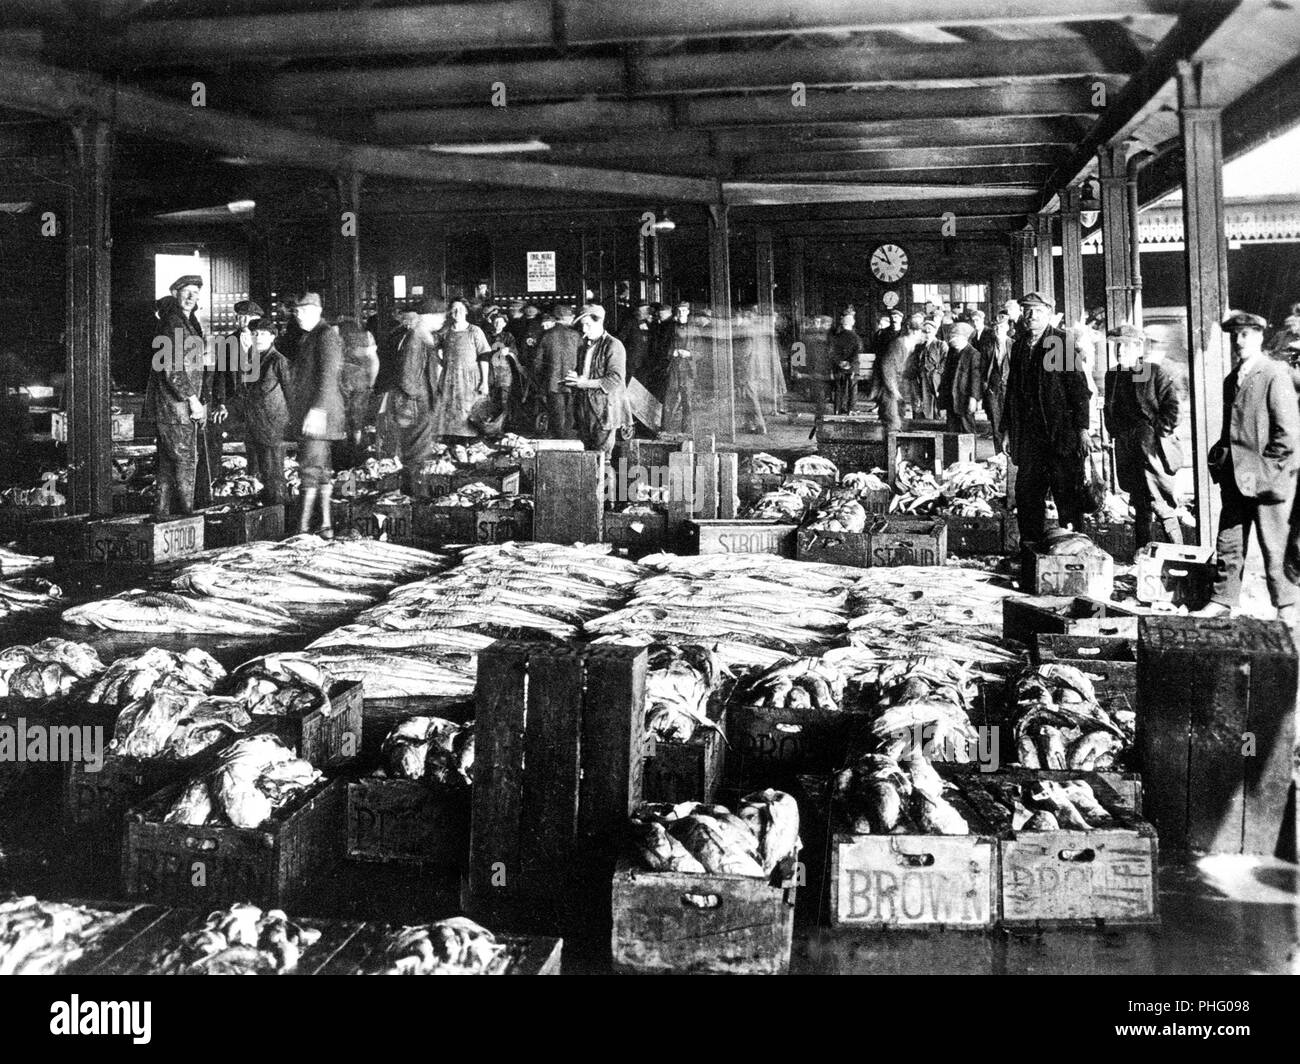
1127	334
1239	319
961	329
562	312
431	305
308	299
185	280
1037	299
247	306
594	311
261	325
683	303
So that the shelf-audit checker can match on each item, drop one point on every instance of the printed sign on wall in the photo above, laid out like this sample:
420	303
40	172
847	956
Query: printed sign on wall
541	271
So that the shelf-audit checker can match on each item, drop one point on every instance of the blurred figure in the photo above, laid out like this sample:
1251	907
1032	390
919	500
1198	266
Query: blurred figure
928	361
408	402
264	404
681	372
743	345
961	387
172	398
360	369
890	375
316	409
845	346
995	371
635	338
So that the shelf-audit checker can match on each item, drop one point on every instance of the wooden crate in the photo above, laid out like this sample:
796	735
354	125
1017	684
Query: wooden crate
752	486
16	520
931	450
63	538
1066	574
1126	785
875	501
1216	731
654	453
910	541
700	924
389	520
695	488
770	744
438	525
326	739
529	954
681	772
121	427
507	480
856	457
1066	878
497	524
246	524
569	500
551	800
379	716
1025	616
638	534
925	882
1178	575
849	428
741	537
142	540
972	537
1117	540
408	822
1110	662
213	865
834	548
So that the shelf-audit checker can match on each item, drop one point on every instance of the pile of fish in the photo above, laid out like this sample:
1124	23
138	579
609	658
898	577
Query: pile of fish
46	669
15	563
840	513
173	721
425	637
1046	805
130	678
21	594
455	946
255	777
788	503
679	680
815	465
236	486
758	837
432	749
757	608
965	489
438	466
43	937
475	453
371	471
238	940
476	495
862	482
799	683
34	498
1058	722
283	685
764	464
1063	542
923	710
905	611
878	795
166	611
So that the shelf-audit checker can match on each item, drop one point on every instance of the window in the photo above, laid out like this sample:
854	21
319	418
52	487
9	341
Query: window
957	293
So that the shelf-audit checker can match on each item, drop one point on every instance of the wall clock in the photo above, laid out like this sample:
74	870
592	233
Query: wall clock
890	299
889	263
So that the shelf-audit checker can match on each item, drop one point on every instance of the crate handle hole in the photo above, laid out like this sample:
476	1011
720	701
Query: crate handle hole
916	860
793	729
191	843
1078	856
1088	652
701	901
1177	572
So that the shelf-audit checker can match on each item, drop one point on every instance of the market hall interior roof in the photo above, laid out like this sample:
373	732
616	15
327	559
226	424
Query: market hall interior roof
902	109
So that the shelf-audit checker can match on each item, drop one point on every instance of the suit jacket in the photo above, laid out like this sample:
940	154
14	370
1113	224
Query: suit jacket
962	381
315	372
175	375
603	406
557	353
994	376
1156	395
1047	399
417	366
1261	430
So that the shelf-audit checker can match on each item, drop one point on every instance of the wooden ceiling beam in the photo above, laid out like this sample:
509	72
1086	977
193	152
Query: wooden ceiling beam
456	27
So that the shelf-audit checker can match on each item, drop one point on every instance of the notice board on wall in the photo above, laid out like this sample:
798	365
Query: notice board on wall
541	271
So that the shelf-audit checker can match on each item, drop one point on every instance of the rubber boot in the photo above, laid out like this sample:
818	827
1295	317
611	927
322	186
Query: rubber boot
308	506
326	492
1173	529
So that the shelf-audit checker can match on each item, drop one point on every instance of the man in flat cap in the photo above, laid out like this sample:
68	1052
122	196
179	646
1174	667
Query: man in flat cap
962	386
1142	417
681	371
1254	463
1047	418
995	372
557	355
316	415
929	360
173	395
599	383
635	338
408	402
845	346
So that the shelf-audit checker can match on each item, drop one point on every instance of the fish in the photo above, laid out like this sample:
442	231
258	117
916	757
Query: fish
717	847
455	946
657	851
773	818
130	678
44	937
241	939
161	611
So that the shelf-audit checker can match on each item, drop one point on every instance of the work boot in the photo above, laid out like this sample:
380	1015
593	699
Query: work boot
1173	529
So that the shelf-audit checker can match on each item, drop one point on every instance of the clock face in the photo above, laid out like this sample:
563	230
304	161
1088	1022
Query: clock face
890	299
889	263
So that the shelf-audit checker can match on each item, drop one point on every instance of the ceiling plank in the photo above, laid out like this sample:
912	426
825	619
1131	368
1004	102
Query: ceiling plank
920	64
826	107
946	197
899	159
489	26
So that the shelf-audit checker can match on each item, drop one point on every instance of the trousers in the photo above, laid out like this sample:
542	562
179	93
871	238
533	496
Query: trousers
559	415
961	422
1142	473
677	403
1272	523
1040	470
177	459
751	412
266	462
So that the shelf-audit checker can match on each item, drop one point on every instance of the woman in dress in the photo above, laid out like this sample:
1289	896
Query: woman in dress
464	377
